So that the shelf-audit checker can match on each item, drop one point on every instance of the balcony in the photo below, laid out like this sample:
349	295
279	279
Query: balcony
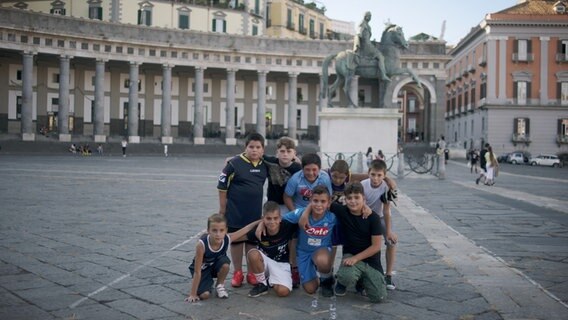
529	57
303	30
520	138
561	57
471	68
465	73
482	61
314	35
290	26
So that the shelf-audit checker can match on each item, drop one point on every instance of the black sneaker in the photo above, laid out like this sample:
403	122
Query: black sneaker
258	290
340	289
327	287
390	283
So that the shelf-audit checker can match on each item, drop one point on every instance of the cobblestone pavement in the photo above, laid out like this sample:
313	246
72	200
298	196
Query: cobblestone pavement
111	238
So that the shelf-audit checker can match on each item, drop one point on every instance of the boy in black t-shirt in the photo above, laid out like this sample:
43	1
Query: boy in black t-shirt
271	258
241	187
361	246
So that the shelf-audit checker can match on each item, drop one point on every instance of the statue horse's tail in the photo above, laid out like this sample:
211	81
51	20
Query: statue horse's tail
325	66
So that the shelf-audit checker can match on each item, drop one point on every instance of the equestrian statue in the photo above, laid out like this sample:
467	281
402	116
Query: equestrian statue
366	61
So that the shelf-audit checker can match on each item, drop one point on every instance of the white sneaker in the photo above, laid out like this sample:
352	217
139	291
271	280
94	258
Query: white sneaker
221	292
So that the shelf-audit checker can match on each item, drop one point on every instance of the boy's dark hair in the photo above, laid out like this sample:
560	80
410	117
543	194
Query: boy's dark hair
320	189
340	166
286	142
311	158
270	206
216	218
378	165
254	137
354	188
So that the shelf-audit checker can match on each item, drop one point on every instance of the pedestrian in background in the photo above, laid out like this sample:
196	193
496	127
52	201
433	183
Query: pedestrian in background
124	144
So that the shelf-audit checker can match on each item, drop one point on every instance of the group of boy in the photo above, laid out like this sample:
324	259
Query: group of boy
324	209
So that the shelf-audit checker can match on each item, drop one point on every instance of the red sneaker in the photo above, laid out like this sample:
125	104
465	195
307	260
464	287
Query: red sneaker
295	277
251	279
237	280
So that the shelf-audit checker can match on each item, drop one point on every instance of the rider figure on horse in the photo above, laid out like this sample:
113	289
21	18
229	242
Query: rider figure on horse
362	47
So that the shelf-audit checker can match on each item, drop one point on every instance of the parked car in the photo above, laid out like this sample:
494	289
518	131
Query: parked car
518	157
545	160
503	157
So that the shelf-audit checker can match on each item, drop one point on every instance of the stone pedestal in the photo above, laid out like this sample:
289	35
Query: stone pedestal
99	138
28	136
231	141
352	130
134	139
167	140
198	140
64	137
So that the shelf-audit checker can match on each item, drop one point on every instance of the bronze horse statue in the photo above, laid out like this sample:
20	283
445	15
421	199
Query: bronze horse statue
346	66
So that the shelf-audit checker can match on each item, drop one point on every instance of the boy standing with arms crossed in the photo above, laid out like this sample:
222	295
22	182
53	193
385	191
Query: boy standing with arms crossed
377	197
240	186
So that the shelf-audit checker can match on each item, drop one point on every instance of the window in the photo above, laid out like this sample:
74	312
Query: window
436	65
205	87
18	107
301	28
483	90
55	104
183	20
127	84
312	29
299	95
145	14
522	50
55	78
58	11
219	25
521	91
95	9
521	127
298	118
19	75
412	105
257	7
254	30
562	51
472	127
321	31
289	23
563	93
563	130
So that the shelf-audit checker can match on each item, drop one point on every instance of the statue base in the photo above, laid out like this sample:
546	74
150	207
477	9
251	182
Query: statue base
353	130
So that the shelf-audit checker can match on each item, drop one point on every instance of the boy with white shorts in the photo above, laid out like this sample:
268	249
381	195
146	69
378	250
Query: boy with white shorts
269	262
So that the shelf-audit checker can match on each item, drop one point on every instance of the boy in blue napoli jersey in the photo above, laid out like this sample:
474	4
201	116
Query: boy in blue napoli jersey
241	188
300	187
314	244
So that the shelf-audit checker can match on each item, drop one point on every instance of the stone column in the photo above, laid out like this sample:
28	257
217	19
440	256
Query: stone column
354	91
261	105
292	104
63	114
198	115
322	101
133	116
27	97
230	108
167	104
99	120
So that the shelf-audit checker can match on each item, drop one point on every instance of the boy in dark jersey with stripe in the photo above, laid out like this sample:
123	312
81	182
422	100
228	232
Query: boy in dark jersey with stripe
270	261
241	187
211	259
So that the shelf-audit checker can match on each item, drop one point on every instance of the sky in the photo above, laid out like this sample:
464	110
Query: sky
416	16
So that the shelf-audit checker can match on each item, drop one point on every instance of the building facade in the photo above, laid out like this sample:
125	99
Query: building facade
508	81
72	76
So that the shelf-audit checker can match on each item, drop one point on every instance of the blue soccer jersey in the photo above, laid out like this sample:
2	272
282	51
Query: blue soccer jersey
300	189
319	233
